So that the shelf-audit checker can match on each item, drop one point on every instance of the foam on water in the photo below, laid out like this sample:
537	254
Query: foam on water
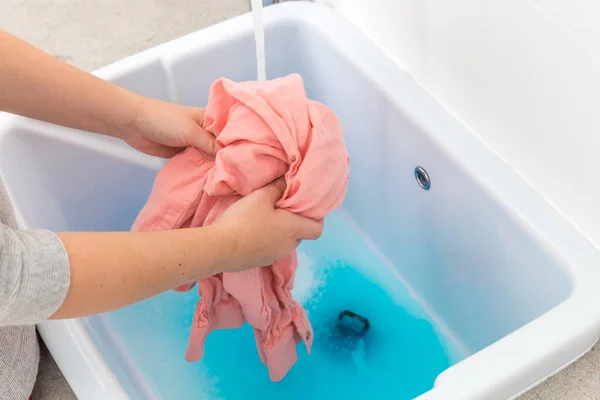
399	357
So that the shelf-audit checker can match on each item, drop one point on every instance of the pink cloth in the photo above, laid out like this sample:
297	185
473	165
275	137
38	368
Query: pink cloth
266	130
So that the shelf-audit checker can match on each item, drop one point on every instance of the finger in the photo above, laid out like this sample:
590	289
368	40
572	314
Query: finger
164	151
274	190
197	113
203	141
308	229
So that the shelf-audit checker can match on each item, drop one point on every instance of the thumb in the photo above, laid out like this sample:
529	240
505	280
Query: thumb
308	229
274	190
203	141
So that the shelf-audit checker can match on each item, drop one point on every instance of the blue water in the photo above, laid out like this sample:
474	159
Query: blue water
399	356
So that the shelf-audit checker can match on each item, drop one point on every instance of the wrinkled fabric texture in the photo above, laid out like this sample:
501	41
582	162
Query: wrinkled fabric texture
266	130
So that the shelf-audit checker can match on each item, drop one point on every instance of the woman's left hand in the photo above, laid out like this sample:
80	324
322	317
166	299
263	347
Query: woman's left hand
164	129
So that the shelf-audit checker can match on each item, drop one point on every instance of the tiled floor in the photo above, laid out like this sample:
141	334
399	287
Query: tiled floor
92	33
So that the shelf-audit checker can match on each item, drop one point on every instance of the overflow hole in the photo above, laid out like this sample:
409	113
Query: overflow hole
422	178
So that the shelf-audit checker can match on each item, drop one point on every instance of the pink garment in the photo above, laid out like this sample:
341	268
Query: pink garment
266	130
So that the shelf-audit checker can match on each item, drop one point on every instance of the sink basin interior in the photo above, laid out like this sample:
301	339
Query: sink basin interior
440	274
402	352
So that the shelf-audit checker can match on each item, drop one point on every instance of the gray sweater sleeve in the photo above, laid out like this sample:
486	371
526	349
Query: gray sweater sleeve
34	275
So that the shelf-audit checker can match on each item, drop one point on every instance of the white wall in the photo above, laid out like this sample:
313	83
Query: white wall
523	75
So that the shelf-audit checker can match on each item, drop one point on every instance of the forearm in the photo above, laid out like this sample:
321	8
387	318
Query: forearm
36	85
113	270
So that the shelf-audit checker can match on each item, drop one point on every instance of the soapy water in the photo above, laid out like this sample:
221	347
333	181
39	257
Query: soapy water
259	38
399	356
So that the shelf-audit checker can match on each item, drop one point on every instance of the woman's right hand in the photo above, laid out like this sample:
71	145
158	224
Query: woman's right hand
259	233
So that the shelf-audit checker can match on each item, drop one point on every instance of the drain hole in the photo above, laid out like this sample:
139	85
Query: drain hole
352	324
346	338
422	178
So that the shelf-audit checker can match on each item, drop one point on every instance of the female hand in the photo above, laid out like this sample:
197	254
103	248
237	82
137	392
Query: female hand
37	85
251	233
259	233
164	129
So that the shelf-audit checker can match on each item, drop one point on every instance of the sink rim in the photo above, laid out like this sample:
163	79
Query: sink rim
505	368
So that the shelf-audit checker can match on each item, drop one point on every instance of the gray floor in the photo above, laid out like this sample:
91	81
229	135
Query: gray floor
92	33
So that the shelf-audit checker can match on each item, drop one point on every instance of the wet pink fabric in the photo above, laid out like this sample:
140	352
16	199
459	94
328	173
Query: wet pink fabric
266	129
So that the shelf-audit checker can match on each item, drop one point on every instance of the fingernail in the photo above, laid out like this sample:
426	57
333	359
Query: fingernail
281	183
215	146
